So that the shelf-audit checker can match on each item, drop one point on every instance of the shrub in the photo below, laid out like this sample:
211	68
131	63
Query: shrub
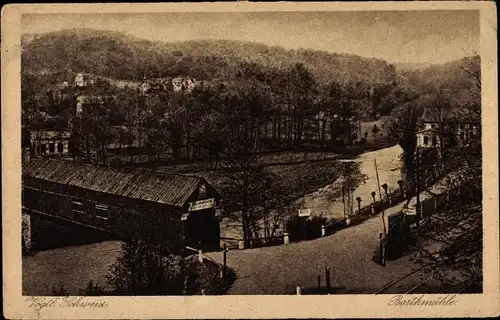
92	290
61	291
142	270
302	228
399	239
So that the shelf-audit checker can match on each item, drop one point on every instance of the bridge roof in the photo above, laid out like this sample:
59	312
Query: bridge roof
165	188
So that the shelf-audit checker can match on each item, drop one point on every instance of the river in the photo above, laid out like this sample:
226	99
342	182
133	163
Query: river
324	201
71	267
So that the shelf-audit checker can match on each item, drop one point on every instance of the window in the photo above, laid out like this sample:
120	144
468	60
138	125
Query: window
203	190
434	140
60	147
77	206
461	126
101	211
52	147
44	148
426	140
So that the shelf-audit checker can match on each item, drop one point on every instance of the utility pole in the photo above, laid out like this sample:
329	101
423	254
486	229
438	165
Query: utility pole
417	185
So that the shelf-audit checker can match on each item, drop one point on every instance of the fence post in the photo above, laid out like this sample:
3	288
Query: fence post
298	290
286	239
200	256
225	256
241	244
373	208
327	277
323	230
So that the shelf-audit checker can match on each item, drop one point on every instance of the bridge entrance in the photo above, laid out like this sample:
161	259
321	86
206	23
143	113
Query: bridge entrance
201	230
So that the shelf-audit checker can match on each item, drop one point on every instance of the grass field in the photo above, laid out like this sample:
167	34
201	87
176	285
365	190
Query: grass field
367	126
298	177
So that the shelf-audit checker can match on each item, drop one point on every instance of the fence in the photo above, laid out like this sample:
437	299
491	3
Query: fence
328	228
389	200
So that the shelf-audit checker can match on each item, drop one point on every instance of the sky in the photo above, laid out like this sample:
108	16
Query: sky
395	36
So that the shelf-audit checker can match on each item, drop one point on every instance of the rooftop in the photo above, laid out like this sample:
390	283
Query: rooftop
169	189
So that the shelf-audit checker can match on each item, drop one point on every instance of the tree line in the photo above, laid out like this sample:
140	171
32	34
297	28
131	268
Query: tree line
282	111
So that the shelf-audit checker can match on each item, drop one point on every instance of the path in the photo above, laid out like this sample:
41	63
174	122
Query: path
348	253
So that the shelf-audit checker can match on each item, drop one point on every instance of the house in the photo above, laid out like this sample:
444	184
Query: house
183	84
163	209
50	142
83	80
144	86
428	136
85	101
455	125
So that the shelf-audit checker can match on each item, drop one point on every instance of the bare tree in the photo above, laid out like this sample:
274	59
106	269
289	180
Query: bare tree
351	177
211	136
244	172
472	67
242	166
33	116
440	111
402	127
128	108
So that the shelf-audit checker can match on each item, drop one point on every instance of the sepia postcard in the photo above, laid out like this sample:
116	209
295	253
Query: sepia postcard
250	160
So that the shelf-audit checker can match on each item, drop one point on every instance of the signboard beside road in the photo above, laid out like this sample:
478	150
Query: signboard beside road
410	211
304	212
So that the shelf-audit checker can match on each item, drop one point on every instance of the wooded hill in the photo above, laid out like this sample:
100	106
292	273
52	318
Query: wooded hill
117	55
57	56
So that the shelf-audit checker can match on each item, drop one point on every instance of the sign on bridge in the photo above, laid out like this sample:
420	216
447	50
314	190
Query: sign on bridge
304	212
201	204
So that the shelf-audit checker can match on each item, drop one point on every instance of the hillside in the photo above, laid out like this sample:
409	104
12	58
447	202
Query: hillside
57	56
453	75
117	55
410	66
458	78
